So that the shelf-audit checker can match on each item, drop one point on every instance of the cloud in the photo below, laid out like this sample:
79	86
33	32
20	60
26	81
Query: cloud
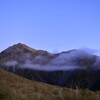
64	61
11	63
91	51
49	68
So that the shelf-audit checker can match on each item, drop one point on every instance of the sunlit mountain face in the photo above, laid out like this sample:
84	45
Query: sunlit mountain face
74	68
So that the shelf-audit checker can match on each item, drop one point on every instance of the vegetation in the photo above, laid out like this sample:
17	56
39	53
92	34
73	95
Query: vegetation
13	87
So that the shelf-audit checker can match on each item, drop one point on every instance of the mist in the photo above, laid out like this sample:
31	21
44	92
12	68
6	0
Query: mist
63	62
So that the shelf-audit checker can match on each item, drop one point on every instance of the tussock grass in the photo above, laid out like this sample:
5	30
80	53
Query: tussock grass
13	87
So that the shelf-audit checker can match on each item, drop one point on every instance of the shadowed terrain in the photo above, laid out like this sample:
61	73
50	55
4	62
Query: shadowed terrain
13	87
72	69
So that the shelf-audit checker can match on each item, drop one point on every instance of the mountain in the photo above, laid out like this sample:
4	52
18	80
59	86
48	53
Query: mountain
74	68
20	53
13	87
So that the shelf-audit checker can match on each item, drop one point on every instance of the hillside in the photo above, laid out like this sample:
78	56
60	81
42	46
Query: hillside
13	87
74	68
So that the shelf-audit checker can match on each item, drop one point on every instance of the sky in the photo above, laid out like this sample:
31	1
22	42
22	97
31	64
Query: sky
52	25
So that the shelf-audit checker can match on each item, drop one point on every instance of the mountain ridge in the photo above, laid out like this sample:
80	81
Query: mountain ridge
69	68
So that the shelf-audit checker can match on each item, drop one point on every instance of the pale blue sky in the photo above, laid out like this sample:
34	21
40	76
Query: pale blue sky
53	25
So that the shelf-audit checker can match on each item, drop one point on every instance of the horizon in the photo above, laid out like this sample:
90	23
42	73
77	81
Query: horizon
82	50
51	25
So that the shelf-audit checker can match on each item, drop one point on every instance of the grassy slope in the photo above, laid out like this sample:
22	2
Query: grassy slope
13	87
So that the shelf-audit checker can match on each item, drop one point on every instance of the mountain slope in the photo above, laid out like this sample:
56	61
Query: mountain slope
13	87
74	68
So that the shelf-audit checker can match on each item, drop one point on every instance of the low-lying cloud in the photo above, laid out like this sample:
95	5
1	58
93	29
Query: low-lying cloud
63	62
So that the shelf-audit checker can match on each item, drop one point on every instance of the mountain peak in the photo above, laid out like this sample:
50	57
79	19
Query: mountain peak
19	44
22	46
19	47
